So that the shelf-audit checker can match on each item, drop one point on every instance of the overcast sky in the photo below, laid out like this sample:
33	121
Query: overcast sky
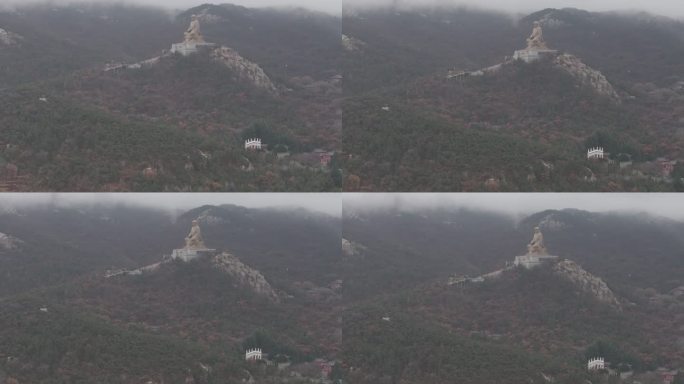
174	202
329	6
667	205
672	8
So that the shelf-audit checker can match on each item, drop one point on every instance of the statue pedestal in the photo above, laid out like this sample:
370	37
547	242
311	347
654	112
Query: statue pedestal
188	48
532	55
191	254
533	261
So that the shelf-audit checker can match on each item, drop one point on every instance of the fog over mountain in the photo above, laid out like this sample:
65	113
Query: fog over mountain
666	205
671	8
328	6
175	202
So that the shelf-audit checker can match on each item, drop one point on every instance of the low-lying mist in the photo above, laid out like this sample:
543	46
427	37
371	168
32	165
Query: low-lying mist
520	204
671	8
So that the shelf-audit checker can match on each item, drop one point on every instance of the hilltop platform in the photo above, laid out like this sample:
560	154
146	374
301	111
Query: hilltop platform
189	48
191	254
532	55
533	261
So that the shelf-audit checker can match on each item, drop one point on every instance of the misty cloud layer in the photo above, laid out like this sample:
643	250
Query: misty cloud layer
671	8
666	205
328	6
330	204
516	204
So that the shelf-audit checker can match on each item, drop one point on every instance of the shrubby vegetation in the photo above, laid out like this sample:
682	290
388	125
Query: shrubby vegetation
162	325
524	128
528	322
183	118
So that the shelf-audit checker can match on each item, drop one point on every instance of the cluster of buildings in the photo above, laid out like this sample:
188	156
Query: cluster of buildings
323	366
662	165
599	365
318	156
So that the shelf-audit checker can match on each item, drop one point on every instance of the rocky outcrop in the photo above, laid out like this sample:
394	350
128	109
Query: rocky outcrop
586	75
8	242
549	223
352	44
350	248
587	282
207	218
206	17
582	73
549	22
9	38
244	69
245	276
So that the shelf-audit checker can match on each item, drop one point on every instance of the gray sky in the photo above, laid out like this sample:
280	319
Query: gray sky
672	8
667	205
329	6
320	202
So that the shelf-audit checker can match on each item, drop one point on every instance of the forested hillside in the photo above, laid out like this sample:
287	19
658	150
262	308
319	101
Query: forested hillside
434	102
66	317
83	108
407	320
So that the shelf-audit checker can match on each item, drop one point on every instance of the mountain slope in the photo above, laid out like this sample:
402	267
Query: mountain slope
412	126
196	316
135	91
415	300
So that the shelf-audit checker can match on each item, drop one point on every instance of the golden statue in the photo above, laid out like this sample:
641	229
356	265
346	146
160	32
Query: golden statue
536	246
194	239
193	34
536	39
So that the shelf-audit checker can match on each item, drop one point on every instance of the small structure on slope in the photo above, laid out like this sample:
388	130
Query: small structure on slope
253	354
595	153
596	364
253	144
666	166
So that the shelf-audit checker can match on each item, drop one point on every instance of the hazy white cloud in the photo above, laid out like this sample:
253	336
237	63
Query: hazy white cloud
672	8
669	205
174	202
659	204
328	6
